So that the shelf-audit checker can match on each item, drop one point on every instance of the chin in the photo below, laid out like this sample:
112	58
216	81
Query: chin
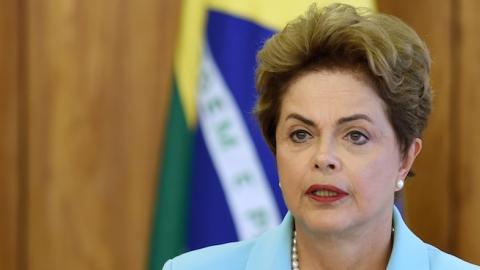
326	228
325	223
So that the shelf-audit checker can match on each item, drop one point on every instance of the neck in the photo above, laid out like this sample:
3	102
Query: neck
367	248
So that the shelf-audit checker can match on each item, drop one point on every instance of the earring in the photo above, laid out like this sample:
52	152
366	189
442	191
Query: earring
280	184
400	184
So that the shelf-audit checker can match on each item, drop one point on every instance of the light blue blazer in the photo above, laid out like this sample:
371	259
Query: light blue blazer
271	250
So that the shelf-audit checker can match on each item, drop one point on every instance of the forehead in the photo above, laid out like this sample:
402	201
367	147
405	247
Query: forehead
321	94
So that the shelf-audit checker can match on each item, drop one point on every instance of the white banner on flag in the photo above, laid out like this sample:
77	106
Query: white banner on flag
235	159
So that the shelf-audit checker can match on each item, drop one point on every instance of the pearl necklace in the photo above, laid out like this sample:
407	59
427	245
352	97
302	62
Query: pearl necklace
295	264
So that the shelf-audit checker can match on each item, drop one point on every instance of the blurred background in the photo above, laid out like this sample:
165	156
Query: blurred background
85	88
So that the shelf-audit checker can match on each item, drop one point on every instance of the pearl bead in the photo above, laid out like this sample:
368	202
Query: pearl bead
399	184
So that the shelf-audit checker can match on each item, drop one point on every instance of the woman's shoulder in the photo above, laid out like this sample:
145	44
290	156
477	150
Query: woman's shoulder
410	252
226	256
270	250
441	260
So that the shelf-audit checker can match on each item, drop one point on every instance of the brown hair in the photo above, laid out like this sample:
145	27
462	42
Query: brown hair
340	37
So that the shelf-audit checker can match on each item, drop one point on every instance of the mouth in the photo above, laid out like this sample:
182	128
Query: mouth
326	193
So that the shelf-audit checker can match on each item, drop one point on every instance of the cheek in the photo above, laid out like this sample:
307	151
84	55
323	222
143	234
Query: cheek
291	169
286	166
373	176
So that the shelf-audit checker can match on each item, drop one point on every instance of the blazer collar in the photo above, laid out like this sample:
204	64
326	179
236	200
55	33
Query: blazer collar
272	249
408	252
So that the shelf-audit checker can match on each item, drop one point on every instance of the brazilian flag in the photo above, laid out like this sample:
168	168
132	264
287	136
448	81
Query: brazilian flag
218	181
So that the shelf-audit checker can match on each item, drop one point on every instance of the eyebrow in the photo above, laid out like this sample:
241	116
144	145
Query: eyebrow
343	120
358	116
300	118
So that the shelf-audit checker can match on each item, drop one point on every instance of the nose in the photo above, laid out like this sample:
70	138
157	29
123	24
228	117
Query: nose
326	159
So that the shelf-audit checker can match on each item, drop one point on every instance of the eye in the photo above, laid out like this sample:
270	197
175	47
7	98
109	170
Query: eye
357	137
300	136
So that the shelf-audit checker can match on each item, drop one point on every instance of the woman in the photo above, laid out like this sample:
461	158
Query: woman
344	96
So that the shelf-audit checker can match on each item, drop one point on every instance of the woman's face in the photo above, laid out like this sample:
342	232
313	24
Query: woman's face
337	154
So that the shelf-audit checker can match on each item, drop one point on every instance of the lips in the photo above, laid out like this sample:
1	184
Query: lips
326	193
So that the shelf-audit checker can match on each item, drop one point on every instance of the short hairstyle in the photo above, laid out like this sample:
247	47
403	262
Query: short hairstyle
384	49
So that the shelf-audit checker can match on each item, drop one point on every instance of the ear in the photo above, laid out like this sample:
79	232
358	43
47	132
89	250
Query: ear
409	157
